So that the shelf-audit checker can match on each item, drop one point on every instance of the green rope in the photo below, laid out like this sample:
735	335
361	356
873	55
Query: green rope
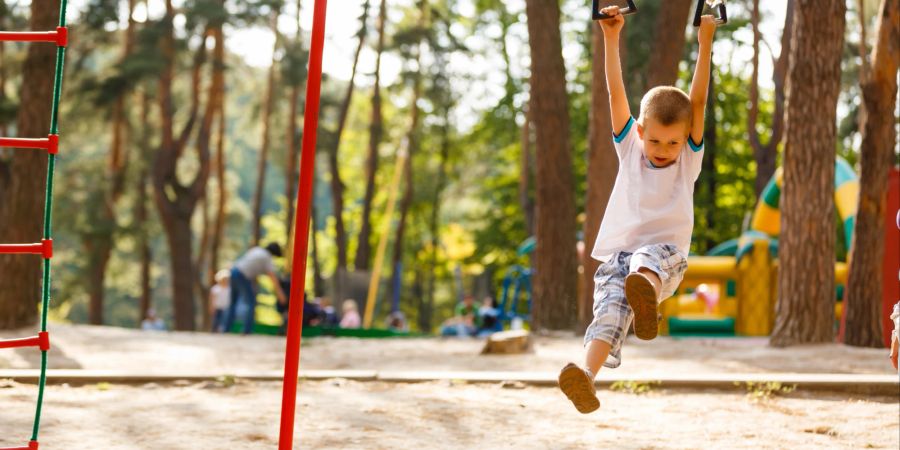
48	208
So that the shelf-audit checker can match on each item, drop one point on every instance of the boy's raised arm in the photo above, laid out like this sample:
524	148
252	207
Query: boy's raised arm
618	100
700	84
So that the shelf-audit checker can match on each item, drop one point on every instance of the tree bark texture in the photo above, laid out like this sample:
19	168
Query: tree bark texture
603	165
364	247
555	280
23	175
879	139
806	296
526	173
669	42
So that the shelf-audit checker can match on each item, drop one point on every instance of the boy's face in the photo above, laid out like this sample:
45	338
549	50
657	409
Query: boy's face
662	143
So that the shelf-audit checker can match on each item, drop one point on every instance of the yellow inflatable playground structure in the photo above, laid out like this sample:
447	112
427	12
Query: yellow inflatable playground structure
732	290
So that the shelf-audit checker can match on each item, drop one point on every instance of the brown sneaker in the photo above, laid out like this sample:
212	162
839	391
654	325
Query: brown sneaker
579	387
641	296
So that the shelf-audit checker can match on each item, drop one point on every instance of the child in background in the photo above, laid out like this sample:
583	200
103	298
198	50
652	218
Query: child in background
220	300
350	318
645	235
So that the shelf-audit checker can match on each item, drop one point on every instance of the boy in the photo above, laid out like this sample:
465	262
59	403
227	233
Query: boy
646	233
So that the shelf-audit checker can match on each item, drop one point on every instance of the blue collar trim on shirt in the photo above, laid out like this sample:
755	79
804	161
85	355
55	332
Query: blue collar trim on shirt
621	136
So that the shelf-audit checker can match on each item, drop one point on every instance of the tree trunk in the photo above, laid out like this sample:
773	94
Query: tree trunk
318	279
221	199
879	138
555	279
434	225
268	105
23	179
177	201
337	186
141	216
669	43
363	248
526	173
4	130
804	310
765	154
412	147
200	267
144	245
708	173
603	165
99	245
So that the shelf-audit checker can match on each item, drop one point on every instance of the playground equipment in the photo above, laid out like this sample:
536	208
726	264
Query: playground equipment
301	245
597	6
744	271
45	247
517	279
717	5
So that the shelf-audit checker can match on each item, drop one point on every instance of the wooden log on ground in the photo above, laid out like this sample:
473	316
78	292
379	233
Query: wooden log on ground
508	343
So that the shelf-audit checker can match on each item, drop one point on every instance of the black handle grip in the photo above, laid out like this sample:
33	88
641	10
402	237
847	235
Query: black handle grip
722	13
628	10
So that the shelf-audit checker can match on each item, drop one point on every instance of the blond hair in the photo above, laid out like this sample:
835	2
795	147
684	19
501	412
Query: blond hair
667	105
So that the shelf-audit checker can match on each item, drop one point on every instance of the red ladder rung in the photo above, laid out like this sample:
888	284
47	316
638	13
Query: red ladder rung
44	248
42	341
60	37
50	143
32	445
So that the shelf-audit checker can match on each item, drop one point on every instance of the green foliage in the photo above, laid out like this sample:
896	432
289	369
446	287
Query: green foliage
764	391
479	221
634	387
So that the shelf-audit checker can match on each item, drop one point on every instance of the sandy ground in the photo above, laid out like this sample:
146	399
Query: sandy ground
108	348
340	414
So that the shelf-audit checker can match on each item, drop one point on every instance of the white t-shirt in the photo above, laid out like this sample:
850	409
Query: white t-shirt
221	296
257	261
649	205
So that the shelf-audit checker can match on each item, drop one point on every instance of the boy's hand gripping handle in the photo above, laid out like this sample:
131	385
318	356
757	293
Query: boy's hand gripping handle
718	5
597	15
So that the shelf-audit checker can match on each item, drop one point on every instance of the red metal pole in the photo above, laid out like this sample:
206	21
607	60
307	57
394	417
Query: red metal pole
301	242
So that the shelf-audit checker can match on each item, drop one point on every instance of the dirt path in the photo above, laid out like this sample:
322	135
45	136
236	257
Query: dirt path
350	415
108	348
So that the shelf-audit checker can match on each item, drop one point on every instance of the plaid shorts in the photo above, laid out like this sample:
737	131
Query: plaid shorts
612	315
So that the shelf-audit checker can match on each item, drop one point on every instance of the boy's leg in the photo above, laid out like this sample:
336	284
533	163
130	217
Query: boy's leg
596	355
604	336
655	272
